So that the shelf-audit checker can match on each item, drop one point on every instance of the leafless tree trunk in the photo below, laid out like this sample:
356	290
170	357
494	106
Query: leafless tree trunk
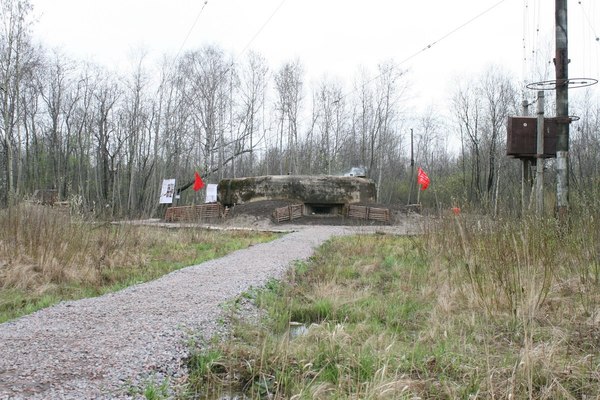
108	148
498	94
208	76
467	108
288	83
253	89
16	59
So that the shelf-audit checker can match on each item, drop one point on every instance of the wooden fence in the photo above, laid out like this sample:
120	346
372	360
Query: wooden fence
195	212
369	213
288	213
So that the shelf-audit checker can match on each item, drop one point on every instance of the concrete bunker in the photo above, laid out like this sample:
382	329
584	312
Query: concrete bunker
321	195
323	209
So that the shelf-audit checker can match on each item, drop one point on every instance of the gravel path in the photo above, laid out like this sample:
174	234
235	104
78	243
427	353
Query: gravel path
100	348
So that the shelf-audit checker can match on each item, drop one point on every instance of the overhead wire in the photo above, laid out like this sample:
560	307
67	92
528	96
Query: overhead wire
258	32
424	49
531	39
536	43
525	40
368	82
589	21
247	46
262	27
584	50
232	63
190	31
584	34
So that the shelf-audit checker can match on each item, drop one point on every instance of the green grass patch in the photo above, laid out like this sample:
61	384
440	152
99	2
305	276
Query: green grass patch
470	310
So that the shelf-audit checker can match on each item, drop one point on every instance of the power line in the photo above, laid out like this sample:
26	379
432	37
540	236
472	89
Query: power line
531	38
190	31
262	28
525	37
589	21
429	46
595	35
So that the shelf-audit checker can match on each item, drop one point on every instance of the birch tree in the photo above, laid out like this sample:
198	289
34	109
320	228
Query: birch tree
288	85
254	79
17	62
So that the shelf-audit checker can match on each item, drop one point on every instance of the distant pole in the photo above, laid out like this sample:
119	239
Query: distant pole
539	178
412	165
526	166
561	64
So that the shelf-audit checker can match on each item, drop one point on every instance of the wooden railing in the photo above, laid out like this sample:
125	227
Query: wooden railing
195	212
369	213
288	213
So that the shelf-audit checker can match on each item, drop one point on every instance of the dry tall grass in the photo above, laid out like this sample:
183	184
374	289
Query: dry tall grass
41	246
46	255
529	287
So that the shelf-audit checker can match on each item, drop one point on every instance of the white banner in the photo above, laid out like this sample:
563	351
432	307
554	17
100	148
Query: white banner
211	193
167	192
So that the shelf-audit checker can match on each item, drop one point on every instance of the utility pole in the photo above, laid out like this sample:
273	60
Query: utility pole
561	64
539	177
412	166
525	169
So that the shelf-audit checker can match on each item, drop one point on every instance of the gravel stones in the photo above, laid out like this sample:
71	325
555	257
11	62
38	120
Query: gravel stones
106	347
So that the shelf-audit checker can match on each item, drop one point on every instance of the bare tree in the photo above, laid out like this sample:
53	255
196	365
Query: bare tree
481	109
467	109
108	143
498	94
16	65
330	121
138	136
585	146
288	84
252	94
59	93
376	117
427	136
205	78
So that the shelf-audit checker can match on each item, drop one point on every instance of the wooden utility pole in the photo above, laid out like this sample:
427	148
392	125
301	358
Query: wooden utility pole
561	64
539	177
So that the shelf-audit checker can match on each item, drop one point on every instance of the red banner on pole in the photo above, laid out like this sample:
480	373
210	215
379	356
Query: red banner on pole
422	179
198	184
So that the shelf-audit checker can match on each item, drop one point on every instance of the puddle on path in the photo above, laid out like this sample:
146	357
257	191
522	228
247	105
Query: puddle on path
297	329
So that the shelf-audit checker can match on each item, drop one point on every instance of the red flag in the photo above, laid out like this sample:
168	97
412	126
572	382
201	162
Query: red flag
198	184
422	179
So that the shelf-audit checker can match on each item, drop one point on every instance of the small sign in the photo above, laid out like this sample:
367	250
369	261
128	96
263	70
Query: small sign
211	193
167	191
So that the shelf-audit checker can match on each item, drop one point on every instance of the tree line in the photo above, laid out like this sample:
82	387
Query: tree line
106	141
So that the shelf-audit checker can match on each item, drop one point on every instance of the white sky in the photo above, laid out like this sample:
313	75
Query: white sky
333	37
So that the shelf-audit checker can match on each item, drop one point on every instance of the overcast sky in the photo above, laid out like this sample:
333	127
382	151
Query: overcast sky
330	37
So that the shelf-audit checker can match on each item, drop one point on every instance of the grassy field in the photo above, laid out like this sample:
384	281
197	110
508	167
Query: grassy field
492	310
472	309
46	256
